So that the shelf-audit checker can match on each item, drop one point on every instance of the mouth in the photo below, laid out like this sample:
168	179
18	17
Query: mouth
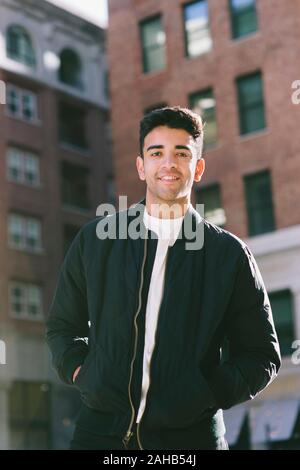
169	179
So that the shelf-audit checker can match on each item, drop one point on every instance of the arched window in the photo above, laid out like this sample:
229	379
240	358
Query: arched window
70	68
19	46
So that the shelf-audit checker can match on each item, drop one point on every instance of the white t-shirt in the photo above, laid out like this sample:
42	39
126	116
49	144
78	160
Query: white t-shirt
167	231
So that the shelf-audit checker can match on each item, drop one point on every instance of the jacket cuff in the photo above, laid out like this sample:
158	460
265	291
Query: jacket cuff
72	359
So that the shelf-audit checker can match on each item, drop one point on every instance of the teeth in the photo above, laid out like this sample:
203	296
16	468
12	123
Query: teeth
169	178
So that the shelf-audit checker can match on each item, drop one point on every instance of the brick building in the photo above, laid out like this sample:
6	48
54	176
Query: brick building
233	61
55	169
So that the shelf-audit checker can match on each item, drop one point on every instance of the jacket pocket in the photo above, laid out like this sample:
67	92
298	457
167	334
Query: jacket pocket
180	400
102	383
84	368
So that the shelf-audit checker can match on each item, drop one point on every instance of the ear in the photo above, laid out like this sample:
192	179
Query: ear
200	167
140	168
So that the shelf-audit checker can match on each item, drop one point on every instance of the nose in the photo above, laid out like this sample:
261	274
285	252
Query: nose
169	161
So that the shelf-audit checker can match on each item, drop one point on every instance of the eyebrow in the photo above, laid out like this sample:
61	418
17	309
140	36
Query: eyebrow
162	146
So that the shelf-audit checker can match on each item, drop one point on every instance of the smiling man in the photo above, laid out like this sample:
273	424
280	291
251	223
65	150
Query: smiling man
170	164
138	326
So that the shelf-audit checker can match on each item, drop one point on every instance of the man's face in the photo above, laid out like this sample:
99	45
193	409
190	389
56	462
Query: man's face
170	165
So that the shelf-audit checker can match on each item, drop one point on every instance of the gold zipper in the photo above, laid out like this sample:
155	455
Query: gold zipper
129	432
155	337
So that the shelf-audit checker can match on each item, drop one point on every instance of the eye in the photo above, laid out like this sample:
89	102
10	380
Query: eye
182	154
155	153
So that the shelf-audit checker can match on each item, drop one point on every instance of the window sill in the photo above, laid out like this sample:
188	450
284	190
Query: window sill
73	148
253	135
76	210
38	319
27	185
25	250
245	37
199	56
34	122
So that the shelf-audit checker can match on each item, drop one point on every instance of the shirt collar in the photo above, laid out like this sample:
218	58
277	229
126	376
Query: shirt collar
165	229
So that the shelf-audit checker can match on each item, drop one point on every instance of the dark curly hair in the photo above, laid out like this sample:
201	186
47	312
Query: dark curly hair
174	117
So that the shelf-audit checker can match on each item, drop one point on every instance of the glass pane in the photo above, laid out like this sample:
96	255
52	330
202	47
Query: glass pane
31	171
204	104
243	17
72	125
251	104
18	298
75	186
29	106
19	46
281	303
70	68
198	39
15	165
29	415
259	203
16	229
34	300
153	43
33	233
211	198
12	100
252	119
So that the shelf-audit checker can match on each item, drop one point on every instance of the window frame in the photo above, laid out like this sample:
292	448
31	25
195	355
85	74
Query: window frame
186	37
25	288
242	108
24	221
146	21
24	40
21	93
252	232
24	157
233	18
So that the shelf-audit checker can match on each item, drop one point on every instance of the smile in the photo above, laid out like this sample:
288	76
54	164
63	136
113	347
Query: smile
169	178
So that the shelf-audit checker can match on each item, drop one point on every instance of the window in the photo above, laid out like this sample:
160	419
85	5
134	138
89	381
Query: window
26	302
259	203
19	46
30	415
75	186
204	103
21	103
211	198
251	103
153	44
70	69
243	17
23	167
196	24
24	233
72	125
281	302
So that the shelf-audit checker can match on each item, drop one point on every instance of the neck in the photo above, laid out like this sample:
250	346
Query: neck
168	209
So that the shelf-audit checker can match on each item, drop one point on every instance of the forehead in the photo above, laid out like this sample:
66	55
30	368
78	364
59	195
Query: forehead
164	135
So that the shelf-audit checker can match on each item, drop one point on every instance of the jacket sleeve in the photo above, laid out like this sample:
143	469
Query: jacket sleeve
67	323
254	355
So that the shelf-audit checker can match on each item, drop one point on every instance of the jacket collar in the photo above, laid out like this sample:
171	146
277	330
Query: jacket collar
191	226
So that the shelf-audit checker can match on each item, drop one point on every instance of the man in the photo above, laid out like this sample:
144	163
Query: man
158	308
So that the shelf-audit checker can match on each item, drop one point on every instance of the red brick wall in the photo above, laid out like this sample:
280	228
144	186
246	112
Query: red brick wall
273	50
